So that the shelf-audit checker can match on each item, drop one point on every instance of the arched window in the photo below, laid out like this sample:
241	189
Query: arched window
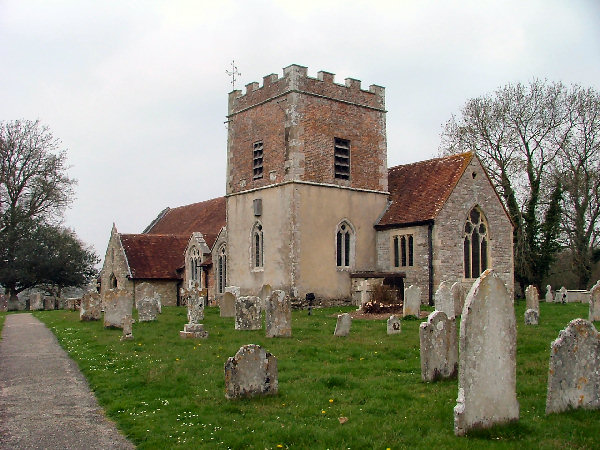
344	245
195	268
221	269
476	242
257	246
113	281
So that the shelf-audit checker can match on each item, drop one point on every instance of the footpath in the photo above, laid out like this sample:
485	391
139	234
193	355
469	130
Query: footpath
45	402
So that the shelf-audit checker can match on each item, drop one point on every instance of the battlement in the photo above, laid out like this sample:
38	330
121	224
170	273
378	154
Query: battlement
296	79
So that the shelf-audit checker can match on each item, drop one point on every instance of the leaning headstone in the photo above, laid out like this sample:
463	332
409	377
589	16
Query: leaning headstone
561	295
412	301
532	298
248	313
549	294
394	326
3	303
251	372
487	362
443	299
342	327
148	309
278	315
91	307
532	317
439	349
595	303
227	301
458	297
127	328
49	303
118	303
573	375
36	302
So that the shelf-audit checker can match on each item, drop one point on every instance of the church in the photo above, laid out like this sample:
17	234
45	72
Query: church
311	207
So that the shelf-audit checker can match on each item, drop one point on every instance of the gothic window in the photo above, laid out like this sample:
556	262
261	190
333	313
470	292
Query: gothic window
257	160
342	159
113	281
344	245
257	246
403	250
475	246
221	269
195	262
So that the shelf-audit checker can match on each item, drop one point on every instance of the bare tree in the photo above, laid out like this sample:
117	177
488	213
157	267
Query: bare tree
34	190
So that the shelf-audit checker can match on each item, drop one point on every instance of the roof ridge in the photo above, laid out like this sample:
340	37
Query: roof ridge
457	155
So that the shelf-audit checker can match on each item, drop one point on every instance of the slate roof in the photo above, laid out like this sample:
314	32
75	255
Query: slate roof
419	190
154	256
207	217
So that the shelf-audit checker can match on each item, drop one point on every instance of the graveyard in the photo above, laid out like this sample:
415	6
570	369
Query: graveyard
363	390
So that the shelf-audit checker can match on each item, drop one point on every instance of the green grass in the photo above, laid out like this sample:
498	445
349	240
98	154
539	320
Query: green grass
164	391
2	318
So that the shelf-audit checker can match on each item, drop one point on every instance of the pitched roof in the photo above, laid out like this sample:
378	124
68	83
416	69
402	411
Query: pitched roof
154	255
207	217
419	190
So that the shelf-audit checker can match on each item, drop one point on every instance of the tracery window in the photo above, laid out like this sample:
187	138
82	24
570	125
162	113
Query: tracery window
257	246
476	242
221	269
403	250
344	244
195	269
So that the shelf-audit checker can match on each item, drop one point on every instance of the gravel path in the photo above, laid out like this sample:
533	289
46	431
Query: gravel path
45	402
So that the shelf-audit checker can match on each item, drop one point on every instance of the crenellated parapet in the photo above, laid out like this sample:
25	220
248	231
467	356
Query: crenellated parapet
295	79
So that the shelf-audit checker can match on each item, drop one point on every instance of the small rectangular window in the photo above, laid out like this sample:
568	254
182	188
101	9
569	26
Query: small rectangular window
257	160
342	159
396	252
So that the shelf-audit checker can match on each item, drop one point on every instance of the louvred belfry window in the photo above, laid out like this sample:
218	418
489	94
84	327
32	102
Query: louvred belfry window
342	159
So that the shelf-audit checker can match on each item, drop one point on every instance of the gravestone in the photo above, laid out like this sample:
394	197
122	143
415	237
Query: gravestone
193	297
227	301
443	299
595	303
91	307
278	315
148	308
248	313
532	298
439	349
561	295
117	303
264	294
49	303
3	303
195	313
487	357
251	372
573	375
549	294
127	328
394	326
36	302
146	291
364	290
458	297
342	327
412	301
71	304
532	317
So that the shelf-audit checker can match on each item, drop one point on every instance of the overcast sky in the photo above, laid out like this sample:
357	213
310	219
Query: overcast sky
137	90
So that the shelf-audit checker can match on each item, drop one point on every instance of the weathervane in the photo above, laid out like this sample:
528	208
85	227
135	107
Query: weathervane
233	73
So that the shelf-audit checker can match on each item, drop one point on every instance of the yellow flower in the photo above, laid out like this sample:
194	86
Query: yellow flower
323	412
279	446
176	359
330	400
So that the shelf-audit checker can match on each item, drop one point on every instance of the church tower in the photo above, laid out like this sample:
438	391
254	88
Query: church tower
306	181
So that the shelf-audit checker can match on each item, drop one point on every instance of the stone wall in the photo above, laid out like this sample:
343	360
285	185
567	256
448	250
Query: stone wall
115	263
167	290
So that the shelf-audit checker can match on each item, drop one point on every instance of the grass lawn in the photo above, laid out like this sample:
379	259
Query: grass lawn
164	391
2	318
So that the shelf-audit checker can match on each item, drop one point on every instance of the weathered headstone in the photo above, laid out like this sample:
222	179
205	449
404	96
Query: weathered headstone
573	375
227	301
146	291
532	298
364	290
49	303
595	303
278	315
3	303
342	327
251	372
439	348
487	364
36	302
148	308
412	301
394	325
458	297
549	294
127	328
195	313
532	317
71	304
264	294
193	297
117	303
561	295
443	299
248	313
91	307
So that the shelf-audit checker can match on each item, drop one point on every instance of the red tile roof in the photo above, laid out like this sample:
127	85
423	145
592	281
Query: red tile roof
155	256
207	217
419	190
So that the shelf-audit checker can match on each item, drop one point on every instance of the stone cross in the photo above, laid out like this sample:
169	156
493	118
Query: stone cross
364	289
439	349
251	372
487	357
